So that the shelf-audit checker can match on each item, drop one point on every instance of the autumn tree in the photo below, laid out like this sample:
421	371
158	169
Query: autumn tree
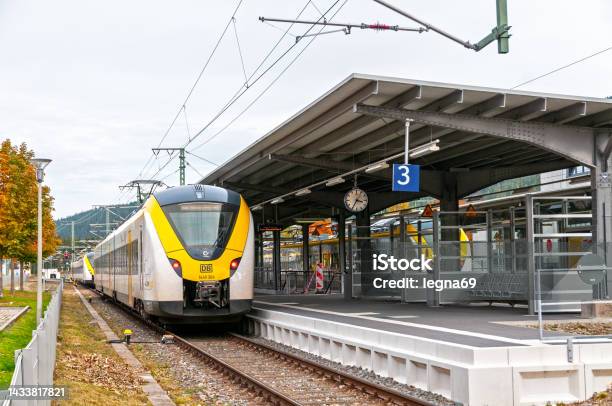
18	208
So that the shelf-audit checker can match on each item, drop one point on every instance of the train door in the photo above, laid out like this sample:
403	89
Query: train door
113	268
130	261
141	265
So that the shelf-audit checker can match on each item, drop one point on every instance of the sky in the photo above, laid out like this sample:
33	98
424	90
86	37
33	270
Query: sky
94	85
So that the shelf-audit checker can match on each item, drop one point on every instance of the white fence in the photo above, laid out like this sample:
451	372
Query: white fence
35	363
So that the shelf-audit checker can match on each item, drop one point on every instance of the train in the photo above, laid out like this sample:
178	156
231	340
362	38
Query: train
186	256
82	270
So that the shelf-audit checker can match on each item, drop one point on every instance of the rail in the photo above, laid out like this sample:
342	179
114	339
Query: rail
269	393
390	395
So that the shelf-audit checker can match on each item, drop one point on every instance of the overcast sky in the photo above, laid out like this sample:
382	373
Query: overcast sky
95	84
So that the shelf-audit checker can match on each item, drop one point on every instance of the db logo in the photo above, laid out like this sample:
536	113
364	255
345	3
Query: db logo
206	268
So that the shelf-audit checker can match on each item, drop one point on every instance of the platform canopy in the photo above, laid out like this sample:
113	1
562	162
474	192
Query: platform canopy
485	135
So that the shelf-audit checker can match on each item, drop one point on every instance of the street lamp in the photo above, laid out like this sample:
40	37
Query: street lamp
40	164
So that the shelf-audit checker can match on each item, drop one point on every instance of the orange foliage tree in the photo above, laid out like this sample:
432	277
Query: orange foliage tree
18	208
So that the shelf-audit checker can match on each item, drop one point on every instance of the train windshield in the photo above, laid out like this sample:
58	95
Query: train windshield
202	227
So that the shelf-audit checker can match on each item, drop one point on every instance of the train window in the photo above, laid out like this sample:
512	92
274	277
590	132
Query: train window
202	227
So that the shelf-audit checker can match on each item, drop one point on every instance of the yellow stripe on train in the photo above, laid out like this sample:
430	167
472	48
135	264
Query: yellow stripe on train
88	265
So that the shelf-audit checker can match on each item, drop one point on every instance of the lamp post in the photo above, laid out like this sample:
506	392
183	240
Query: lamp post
40	164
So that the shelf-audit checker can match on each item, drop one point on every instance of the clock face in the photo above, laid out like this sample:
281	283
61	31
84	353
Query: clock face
356	200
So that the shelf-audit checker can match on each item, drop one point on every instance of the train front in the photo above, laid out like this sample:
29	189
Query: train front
207	238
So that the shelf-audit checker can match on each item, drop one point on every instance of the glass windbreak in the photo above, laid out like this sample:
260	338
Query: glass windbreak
202	227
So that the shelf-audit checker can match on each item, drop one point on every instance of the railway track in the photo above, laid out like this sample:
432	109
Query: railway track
282	378
288	379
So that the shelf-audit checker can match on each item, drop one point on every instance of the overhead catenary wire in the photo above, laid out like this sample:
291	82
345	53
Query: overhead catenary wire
194	168
237	94
246	80
242	89
186	122
278	28
265	89
312	3
195	83
64	222
563	67
202	158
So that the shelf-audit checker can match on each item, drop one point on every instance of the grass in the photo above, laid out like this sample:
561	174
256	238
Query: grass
159	370
19	334
88	365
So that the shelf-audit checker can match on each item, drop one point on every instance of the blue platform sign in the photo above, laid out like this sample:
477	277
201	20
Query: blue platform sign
406	178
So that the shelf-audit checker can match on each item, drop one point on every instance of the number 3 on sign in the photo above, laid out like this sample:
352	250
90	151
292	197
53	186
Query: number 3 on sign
406	178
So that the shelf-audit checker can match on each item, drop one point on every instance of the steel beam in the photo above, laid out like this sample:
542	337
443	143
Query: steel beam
575	143
340	136
390	130
262	188
565	114
473	180
595	120
496	102
526	110
489	151
314	163
454	97
458	150
324	118
521	112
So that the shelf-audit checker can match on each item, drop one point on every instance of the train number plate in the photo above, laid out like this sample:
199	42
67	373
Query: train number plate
206	268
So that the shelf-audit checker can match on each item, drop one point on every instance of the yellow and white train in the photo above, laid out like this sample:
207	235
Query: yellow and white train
82	270
186	256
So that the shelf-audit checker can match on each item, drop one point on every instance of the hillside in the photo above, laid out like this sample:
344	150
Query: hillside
91	224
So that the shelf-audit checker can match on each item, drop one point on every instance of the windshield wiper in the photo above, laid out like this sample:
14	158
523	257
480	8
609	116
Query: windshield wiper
220	237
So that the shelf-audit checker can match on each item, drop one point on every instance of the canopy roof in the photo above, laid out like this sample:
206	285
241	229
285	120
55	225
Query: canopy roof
327	138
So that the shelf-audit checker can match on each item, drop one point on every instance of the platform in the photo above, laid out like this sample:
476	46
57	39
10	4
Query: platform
8	315
445	323
465	353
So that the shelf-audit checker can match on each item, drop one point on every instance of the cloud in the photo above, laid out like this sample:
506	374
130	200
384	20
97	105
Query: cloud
94	85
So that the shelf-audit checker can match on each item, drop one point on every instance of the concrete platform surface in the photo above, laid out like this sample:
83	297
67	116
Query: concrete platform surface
462	352
473	325
8	315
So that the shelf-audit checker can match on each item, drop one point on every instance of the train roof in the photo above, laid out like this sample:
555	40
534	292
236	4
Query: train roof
196	193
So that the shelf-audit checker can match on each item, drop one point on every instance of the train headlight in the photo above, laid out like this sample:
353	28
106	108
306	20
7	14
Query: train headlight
176	266
234	265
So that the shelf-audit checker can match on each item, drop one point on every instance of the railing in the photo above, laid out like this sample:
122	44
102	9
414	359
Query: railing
298	282
34	365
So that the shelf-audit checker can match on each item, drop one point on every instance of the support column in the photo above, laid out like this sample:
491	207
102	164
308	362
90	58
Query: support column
489	218
531	275
433	296
601	185
350	260
402	248
276	260
347	282
305	253
449	202
447	248
365	250
513	238
276	254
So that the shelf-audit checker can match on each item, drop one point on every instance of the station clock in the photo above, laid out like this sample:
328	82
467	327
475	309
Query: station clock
356	200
